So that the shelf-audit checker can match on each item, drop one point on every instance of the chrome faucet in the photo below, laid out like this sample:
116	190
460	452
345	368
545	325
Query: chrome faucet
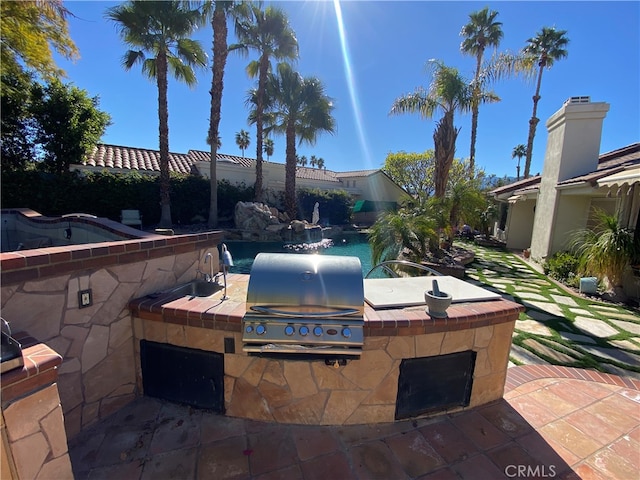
209	276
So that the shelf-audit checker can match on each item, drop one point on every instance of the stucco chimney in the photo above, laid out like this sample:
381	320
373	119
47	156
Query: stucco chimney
573	148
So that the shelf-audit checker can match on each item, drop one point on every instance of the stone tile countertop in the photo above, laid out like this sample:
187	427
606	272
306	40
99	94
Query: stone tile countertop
214	313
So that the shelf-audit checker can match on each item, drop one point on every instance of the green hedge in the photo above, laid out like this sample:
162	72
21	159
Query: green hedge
335	206
105	194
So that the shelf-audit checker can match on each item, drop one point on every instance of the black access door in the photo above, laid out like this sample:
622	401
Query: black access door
431	384
183	375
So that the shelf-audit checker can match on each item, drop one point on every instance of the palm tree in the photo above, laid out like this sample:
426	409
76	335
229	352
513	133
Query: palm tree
411	233
546	47
606	249
465	199
268	147
320	162
448	92
302	161
481	32
313	161
269	34
243	140
300	108
218	141
519	151
161	29
217	11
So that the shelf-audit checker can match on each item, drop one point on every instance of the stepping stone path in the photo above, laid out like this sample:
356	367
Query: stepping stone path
628	326
551	309
531	326
549	352
574	337
629	345
564	300
530	296
613	354
595	327
524	356
538	315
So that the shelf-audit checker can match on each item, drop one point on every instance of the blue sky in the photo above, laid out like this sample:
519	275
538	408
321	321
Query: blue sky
387	45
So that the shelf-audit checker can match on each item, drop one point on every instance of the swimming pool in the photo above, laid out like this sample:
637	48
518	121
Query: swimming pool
245	252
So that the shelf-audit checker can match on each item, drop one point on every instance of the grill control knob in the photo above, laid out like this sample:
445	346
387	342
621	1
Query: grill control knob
304	331
289	330
249	329
317	331
346	332
261	329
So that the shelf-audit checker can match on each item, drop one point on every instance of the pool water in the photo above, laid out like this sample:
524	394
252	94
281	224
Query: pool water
244	253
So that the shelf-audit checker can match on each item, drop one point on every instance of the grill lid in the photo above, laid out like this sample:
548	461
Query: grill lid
291	284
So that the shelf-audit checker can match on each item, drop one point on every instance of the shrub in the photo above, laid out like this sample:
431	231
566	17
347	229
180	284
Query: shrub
105	194
334	206
563	266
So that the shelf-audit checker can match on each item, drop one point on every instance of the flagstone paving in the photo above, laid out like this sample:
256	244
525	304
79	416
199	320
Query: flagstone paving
559	327
575	337
596	328
554	422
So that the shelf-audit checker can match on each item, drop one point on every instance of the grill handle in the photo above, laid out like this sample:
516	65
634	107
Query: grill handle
285	313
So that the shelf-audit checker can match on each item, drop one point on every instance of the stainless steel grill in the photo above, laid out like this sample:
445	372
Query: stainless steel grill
304	304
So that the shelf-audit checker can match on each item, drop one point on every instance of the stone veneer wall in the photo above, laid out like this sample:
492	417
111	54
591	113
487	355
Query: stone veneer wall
39	295
310	392
34	441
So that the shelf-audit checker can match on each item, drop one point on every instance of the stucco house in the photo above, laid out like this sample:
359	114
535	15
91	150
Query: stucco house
543	210
370	185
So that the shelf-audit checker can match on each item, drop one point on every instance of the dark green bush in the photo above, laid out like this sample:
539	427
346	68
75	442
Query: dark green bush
105	194
563	266
334	206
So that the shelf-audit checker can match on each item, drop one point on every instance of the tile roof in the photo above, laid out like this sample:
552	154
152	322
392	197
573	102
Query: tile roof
622	156
520	184
317	174
129	158
356	173
202	156
114	156
608	163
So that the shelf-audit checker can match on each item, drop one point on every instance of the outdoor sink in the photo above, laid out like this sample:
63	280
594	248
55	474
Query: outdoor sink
198	288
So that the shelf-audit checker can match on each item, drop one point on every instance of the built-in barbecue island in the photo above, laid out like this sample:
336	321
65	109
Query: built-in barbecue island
291	343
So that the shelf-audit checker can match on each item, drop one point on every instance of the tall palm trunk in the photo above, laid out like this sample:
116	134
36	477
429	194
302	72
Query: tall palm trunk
444	140
163	125
533	122
220	52
474	117
290	171
262	80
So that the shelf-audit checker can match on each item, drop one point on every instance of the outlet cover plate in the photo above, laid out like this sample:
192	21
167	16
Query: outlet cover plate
85	298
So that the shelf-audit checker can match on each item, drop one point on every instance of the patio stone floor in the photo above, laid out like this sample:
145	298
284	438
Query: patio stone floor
553	422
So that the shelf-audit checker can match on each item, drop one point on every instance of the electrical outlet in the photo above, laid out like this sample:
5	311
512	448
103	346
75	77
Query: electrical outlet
85	298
